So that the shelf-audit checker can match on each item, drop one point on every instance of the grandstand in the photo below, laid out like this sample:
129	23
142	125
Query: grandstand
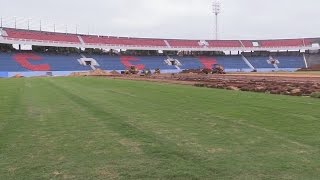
210	52
10	35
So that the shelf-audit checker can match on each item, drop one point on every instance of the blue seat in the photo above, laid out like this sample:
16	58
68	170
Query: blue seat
260	62
7	63
291	62
56	62
285	62
232	62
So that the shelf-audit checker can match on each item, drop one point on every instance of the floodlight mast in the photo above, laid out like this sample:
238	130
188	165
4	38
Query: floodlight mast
216	9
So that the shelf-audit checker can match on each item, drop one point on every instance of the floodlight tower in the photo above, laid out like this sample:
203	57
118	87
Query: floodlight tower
216	9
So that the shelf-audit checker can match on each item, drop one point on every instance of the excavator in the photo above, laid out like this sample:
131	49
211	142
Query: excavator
131	70
217	69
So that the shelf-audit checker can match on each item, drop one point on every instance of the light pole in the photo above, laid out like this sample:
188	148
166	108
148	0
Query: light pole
28	24
15	22
216	9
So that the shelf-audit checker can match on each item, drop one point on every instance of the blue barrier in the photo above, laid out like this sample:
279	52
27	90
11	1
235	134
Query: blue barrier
3	74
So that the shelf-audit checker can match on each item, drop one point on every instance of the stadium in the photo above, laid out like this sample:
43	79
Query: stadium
96	106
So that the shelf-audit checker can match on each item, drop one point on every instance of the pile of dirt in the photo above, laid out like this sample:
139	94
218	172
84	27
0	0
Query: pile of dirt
79	74
297	85
191	71
261	85
114	73
18	76
99	72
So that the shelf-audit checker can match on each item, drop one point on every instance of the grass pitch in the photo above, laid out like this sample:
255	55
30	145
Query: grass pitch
94	128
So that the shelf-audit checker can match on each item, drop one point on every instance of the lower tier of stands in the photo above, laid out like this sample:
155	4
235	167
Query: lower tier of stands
26	62
282	62
313	60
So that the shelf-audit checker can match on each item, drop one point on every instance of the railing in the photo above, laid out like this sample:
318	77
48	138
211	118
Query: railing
41	41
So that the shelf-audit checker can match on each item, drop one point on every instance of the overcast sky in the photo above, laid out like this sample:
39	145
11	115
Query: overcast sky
192	19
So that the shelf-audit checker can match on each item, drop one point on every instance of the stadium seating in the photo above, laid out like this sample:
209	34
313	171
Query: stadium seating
282	43
31	35
123	41
197	43
234	63
64	62
15	62
310	41
291	62
190	63
184	43
285	62
124	62
247	43
260	62
43	36
40	62
313	59
8	64
224	43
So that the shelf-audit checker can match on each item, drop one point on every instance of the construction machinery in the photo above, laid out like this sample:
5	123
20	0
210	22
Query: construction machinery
157	71
146	72
218	69
131	70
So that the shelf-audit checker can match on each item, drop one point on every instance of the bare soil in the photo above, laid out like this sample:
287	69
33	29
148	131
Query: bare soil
294	84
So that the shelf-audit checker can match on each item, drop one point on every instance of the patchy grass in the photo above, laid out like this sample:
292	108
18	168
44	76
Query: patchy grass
94	128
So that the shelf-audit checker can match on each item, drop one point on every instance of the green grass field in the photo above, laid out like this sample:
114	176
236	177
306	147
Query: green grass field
94	128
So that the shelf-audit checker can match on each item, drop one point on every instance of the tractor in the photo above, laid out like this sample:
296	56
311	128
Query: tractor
218	69
146	72
157	71
131	70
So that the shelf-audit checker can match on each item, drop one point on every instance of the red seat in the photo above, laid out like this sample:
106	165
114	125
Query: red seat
42	36
224	43
184	43
282	43
123	41
247	43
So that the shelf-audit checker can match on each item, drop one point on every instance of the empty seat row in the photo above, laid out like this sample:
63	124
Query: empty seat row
150	42
282	43
43	36
286	62
16	62
123	41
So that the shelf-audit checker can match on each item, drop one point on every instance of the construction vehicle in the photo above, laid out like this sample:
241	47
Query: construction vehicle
146	72
218	69
131	70
157	71
207	71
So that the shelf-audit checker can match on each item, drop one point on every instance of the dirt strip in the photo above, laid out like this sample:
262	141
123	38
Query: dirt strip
286	84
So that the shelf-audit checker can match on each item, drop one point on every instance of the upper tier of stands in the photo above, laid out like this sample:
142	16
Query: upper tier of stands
282	43
123	41
41	36
30	35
